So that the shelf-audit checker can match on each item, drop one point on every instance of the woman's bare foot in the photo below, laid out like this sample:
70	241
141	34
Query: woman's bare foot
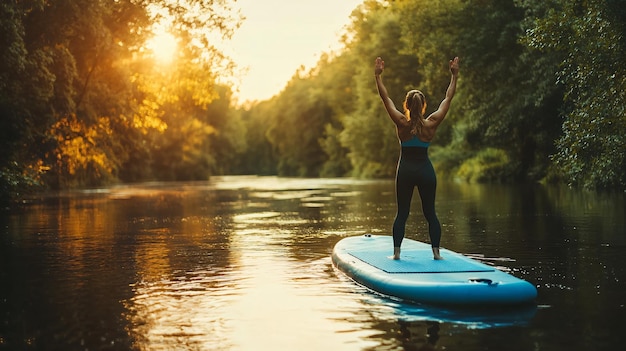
396	253
436	254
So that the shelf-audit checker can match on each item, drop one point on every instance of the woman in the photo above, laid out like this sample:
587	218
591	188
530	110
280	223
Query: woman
414	168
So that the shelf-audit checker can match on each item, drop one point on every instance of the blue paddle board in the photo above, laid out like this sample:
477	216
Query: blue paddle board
417	277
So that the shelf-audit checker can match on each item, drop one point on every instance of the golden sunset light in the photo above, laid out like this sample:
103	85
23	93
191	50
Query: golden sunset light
163	46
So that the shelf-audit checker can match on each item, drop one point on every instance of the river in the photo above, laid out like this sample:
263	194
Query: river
243	263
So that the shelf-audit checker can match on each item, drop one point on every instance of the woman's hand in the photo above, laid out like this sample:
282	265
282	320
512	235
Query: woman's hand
454	66
379	66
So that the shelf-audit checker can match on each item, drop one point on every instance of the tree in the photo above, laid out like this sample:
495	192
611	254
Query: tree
258	157
297	121
81	99
24	85
590	37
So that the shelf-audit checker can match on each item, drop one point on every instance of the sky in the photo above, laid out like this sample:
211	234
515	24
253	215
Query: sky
279	36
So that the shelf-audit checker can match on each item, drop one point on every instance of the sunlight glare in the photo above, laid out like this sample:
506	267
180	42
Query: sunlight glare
163	46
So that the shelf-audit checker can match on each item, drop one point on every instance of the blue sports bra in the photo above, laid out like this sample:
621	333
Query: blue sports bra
415	142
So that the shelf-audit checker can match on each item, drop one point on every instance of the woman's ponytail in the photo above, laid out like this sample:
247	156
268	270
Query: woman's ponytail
414	109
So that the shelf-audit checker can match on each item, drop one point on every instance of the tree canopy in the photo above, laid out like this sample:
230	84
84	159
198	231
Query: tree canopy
85	102
539	98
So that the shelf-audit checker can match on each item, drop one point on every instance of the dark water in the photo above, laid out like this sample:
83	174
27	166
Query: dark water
242	263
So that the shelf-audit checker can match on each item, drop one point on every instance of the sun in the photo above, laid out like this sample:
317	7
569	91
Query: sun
163	46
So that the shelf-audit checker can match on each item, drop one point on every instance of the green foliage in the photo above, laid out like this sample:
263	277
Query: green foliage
488	165
336	164
540	94
301	125
540	82
259	156
591	37
296	125
447	160
83	104
370	137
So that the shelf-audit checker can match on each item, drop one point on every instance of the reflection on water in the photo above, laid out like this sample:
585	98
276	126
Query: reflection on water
242	263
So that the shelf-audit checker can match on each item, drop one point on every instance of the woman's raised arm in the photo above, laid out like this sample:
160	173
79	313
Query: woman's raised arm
396	116
442	111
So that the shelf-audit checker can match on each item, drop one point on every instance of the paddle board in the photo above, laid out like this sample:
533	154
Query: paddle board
417	277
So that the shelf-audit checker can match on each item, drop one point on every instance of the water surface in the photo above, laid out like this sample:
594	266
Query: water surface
243	263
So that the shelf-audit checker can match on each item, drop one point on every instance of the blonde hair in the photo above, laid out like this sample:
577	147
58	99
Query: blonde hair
414	109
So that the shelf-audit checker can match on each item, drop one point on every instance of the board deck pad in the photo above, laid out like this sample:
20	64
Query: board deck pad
419	261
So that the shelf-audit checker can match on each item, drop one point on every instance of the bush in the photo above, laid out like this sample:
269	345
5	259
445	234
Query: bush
488	165
447	160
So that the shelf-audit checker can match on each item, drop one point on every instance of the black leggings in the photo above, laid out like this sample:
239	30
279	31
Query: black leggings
415	169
